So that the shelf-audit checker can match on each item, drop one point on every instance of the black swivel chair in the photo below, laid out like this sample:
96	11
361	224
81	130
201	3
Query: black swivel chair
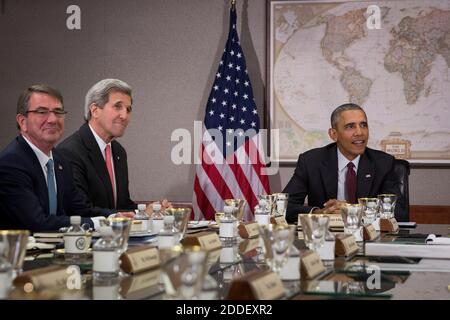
402	171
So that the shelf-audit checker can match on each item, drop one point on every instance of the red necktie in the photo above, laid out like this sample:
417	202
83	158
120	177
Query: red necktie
350	183
110	169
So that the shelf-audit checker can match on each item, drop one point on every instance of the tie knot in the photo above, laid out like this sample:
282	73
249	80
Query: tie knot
350	165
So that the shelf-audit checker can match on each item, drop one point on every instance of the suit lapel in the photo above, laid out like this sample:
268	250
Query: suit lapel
98	162
329	173
365	176
37	169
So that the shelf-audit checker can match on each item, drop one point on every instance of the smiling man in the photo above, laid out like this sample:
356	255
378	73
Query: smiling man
343	171
99	161
37	191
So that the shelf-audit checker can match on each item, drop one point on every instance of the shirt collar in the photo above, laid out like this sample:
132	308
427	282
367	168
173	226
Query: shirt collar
343	161
42	157
101	144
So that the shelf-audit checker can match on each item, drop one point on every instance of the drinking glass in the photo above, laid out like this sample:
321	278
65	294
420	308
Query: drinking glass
387	205
351	216
277	241
314	227
281	201
370	209
14	248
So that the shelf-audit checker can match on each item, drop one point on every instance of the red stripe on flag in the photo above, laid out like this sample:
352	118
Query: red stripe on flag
202	201
216	177
257	165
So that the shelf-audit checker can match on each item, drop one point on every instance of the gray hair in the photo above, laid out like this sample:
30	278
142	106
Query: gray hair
99	94
336	114
24	98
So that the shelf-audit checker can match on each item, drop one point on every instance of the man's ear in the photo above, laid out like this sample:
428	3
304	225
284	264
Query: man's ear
332	133
94	110
22	122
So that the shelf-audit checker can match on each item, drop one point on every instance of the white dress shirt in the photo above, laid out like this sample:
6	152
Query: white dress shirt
43	159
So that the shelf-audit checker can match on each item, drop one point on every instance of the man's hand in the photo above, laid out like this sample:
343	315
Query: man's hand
332	206
127	214
165	204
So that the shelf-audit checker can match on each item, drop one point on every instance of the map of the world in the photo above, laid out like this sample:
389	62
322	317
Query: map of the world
325	54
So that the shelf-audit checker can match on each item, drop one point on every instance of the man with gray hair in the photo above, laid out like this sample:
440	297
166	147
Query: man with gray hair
343	171
99	162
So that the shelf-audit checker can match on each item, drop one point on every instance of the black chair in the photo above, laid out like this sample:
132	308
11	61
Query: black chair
402	171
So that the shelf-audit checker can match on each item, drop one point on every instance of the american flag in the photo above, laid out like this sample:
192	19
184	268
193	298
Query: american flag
231	148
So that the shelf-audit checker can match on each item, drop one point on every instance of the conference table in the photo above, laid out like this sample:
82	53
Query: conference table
345	278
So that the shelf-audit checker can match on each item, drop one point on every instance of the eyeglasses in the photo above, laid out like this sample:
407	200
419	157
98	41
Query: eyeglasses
44	112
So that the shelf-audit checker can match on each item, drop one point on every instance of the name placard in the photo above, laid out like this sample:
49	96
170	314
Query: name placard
136	226
279	221
311	265
345	245
256	285
144	283
369	233
206	240
249	246
389	225
140	259
248	230
37	279
336	221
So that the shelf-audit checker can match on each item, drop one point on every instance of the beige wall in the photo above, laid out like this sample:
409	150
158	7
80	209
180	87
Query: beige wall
168	51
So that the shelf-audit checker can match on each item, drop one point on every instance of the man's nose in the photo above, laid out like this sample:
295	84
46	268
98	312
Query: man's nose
52	117
124	114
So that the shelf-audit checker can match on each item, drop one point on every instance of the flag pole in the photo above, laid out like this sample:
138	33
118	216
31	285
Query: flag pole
233	4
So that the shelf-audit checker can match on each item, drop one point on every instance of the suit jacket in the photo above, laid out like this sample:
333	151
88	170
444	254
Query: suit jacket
316	176
23	192
90	172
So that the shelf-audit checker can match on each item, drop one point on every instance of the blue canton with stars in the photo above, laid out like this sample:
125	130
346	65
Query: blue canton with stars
231	108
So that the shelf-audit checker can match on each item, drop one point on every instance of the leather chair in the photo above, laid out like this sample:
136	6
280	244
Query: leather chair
402	171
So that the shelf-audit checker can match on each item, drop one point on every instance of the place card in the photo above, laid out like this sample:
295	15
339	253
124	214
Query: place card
389	225
206	240
345	245
256	285
140	259
136	226
369	233
336	221
249	247
311	265
248	230
37	279
140	286
279	221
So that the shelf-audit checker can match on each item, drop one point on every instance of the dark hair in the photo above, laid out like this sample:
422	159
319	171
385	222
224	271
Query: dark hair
24	98
344	107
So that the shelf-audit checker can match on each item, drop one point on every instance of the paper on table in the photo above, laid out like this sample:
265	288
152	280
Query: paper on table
432	239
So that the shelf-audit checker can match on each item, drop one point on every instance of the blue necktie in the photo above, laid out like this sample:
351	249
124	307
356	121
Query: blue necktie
52	202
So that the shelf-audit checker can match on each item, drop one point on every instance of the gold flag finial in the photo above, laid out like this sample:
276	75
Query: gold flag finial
233	3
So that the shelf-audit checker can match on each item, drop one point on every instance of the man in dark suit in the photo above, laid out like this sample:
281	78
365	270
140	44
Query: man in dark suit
100	174
321	174
37	191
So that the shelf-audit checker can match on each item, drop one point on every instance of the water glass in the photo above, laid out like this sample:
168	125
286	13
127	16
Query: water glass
314	227
387	205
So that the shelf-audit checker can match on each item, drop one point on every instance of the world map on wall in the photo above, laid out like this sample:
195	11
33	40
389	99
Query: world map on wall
324	55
